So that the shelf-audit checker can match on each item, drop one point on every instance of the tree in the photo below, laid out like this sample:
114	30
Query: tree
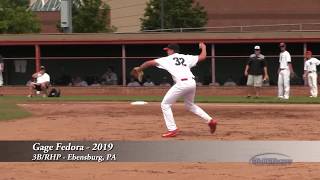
177	14
90	16
16	18
14	3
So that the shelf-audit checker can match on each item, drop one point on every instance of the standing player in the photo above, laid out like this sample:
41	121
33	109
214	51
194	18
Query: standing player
310	73
284	71
1	70
256	71
178	65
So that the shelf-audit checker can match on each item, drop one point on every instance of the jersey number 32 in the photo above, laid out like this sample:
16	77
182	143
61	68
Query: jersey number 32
179	61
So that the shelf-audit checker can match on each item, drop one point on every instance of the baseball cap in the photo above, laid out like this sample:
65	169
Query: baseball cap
174	47
309	52
42	67
257	48
282	44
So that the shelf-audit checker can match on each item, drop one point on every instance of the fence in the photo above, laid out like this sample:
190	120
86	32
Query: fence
216	69
248	28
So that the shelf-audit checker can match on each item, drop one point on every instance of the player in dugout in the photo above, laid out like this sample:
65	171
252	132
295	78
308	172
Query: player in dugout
41	84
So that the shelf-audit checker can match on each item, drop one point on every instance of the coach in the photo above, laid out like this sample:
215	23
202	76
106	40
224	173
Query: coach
256	71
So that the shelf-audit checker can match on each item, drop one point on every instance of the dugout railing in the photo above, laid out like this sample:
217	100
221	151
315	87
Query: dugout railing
217	69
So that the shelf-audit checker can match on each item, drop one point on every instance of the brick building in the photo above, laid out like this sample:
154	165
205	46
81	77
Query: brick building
126	14
253	12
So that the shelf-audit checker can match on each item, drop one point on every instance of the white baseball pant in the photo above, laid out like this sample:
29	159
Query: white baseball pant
1	79
284	84
313	83
187	90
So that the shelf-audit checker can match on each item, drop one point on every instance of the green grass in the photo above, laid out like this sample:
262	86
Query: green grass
10	110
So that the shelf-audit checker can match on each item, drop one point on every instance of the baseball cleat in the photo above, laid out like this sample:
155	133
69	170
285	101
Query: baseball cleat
212	125
170	133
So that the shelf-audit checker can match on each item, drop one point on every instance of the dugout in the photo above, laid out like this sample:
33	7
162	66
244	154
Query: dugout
88	55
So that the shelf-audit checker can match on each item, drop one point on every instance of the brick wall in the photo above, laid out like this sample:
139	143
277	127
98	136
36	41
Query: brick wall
257	12
126	14
49	21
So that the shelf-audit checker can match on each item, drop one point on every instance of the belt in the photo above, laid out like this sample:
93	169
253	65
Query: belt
186	79
282	69
311	71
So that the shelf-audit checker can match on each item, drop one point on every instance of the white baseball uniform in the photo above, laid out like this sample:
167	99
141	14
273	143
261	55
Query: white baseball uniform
178	65
1	70
42	78
311	67
284	75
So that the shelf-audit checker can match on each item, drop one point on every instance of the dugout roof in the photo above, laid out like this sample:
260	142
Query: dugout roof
158	38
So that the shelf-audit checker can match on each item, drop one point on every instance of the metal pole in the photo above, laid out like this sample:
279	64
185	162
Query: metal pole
162	14
66	16
213	64
70	16
37	57
124	74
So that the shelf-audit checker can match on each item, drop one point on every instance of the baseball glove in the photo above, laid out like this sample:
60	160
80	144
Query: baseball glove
137	73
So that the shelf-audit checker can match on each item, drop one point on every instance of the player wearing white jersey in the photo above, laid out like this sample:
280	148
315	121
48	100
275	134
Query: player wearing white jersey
179	65
41	84
284	71
310	73
1	70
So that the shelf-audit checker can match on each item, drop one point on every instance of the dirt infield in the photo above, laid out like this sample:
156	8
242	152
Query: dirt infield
121	121
156	171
